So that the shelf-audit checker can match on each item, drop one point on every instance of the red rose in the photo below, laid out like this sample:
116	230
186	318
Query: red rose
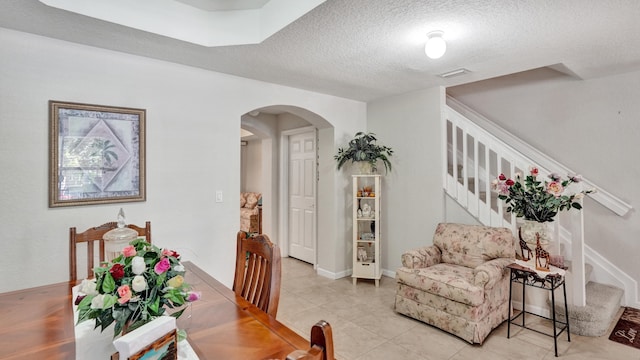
502	177
117	271
509	182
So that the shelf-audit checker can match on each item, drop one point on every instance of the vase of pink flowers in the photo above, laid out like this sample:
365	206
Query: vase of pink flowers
536	202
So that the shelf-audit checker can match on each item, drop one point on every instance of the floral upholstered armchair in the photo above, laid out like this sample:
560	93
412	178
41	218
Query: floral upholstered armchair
459	284
250	212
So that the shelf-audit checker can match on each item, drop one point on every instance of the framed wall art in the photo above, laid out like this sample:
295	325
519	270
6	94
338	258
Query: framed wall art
96	154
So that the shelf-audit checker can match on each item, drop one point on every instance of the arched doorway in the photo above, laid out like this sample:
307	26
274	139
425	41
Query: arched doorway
273	127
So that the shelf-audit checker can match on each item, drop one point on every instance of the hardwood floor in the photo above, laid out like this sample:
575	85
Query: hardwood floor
366	327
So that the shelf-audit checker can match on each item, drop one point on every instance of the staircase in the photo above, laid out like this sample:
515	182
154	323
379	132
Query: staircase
476	152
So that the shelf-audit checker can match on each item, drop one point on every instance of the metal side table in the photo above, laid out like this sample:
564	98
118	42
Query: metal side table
528	277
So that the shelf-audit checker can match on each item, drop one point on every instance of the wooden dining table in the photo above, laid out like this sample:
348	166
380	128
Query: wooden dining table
38	323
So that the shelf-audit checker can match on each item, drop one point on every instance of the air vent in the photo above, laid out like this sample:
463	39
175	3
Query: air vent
453	73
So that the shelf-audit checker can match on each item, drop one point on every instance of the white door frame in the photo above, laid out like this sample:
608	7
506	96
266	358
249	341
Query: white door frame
284	190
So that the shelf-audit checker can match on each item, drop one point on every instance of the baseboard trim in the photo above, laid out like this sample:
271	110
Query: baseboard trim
339	275
389	273
333	275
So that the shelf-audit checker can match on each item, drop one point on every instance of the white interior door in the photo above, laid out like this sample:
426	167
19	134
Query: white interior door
302	196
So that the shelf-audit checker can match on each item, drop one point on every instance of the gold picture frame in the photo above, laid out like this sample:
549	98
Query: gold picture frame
96	154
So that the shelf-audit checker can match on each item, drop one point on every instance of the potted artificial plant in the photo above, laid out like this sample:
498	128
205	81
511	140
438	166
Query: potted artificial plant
364	150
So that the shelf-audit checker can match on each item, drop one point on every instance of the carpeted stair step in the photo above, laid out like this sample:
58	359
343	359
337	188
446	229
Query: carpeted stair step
594	319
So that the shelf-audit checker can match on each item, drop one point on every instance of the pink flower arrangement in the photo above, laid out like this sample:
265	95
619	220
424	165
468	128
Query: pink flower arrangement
135	288
535	200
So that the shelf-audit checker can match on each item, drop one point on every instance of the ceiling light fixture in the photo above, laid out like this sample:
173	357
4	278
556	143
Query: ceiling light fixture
436	46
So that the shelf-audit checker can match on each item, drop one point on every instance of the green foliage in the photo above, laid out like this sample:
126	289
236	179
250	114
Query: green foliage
363	147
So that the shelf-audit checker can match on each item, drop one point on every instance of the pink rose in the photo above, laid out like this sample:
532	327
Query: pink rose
124	292
193	296
162	266
129	251
555	188
503	188
534	171
167	252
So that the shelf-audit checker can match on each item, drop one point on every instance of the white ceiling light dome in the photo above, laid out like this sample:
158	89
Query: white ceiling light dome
435	46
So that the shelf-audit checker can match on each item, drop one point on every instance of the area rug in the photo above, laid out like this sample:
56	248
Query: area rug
628	328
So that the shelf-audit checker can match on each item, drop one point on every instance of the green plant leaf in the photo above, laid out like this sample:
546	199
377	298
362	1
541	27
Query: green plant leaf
108	283
109	301
175	297
178	313
154	305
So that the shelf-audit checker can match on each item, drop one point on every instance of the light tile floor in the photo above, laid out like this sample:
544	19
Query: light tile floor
366	327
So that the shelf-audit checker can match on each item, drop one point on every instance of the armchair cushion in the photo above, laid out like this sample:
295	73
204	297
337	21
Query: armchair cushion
450	281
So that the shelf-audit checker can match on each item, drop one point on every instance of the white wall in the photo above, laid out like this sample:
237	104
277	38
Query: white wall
193	122
412	199
590	126
252	166
454	213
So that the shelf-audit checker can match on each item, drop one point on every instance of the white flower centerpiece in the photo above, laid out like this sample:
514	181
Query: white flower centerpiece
134	288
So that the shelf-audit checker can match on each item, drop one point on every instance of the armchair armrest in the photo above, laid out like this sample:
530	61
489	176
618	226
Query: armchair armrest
490	272
422	257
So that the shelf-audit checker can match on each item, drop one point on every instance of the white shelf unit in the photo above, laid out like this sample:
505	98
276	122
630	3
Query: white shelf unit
366	228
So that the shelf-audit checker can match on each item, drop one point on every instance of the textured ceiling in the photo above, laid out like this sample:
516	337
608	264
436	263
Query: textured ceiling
370	49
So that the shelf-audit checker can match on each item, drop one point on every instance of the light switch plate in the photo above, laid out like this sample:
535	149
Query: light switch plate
218	196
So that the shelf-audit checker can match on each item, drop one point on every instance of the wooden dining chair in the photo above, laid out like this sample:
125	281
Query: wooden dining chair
258	272
90	237
321	344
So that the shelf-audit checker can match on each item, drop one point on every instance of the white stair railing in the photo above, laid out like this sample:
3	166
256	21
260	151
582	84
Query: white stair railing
474	157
